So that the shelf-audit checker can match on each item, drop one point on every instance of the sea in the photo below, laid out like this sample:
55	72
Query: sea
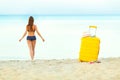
62	36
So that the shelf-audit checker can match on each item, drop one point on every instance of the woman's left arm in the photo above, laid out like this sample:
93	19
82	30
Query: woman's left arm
23	35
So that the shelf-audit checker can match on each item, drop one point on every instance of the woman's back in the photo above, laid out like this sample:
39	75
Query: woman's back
31	32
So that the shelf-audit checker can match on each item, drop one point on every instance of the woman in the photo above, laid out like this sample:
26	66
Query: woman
31	38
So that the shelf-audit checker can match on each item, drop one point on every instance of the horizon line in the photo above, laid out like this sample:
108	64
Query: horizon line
56	15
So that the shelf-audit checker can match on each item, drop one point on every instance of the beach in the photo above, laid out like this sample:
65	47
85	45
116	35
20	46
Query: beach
60	69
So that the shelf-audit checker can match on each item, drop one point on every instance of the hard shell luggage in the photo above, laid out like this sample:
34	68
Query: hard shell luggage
89	49
90	45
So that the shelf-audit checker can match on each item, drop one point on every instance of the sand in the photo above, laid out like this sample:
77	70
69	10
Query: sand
65	69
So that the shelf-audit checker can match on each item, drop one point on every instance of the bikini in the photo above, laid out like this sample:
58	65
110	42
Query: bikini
31	38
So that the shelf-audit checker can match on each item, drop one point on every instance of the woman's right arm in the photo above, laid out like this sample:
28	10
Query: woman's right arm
39	33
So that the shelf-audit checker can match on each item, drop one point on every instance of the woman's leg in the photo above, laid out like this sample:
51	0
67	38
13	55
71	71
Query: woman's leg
30	49
33	47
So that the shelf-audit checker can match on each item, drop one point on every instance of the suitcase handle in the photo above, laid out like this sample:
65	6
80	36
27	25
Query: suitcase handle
92	31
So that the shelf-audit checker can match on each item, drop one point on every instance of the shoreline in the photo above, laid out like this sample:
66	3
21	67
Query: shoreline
36	59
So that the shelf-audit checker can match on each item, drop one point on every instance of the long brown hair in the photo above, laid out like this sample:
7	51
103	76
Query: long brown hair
30	24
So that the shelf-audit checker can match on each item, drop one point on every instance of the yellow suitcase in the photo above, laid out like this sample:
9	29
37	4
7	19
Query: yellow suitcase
89	49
